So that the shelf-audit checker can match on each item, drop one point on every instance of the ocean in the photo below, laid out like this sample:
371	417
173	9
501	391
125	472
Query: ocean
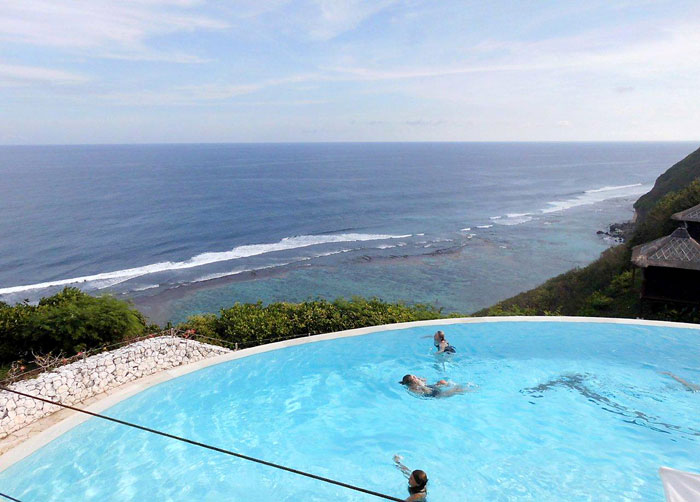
184	229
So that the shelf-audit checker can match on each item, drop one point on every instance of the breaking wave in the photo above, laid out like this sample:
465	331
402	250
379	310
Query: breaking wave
300	241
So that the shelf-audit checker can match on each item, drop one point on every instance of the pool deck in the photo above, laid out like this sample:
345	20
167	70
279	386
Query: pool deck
26	441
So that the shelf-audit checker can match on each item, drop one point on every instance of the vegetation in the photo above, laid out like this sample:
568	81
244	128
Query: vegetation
674	179
252	323
72	321
66	323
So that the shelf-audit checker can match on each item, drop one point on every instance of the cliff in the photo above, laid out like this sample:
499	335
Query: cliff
675	178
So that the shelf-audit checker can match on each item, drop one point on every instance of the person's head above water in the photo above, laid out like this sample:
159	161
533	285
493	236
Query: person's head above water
438	337
409	380
417	481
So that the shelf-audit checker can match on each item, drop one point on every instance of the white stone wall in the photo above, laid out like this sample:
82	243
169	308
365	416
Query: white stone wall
81	380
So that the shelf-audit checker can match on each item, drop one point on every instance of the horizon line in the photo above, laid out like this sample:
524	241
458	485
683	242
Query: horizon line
185	143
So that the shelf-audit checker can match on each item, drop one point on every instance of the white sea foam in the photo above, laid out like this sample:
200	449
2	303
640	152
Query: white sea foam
341	251
596	195
144	288
210	277
515	220
208	258
470	236
466	229
495	217
609	189
484	226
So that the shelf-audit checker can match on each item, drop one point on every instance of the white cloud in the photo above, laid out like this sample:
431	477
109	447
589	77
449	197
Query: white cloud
334	17
20	74
103	28
204	93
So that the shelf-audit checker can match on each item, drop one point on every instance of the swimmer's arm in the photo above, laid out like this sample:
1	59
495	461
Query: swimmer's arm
691	386
406	471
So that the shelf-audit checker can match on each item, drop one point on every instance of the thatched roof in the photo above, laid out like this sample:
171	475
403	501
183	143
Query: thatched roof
691	214
678	250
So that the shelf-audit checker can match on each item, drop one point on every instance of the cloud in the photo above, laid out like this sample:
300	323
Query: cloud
103	28
334	17
19	74
206	93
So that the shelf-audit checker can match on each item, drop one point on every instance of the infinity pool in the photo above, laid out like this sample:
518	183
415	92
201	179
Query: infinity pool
562	411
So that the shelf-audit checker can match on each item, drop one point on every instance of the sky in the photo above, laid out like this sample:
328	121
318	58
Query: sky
172	71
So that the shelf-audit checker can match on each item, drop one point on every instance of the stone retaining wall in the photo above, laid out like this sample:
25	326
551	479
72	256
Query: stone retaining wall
81	380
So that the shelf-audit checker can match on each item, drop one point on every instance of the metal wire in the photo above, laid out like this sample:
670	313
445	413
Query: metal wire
208	447
10	498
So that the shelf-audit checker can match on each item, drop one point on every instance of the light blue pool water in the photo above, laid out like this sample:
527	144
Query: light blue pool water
563	411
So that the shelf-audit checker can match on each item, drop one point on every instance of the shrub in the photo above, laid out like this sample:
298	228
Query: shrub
67	322
251	323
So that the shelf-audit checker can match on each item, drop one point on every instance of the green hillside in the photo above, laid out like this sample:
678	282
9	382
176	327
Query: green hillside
676	178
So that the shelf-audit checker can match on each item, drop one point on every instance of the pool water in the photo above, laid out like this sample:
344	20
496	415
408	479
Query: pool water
560	411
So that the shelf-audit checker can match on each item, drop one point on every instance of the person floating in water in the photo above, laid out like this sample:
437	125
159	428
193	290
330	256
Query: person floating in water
692	387
441	388
442	345
417	481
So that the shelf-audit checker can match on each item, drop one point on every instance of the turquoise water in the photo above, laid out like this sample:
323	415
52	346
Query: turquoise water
561	411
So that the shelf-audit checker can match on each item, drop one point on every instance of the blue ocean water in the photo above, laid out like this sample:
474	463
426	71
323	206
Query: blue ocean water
559	412
192	228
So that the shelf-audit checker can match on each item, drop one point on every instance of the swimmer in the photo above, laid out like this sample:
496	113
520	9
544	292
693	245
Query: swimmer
417	481
692	387
442	344
441	388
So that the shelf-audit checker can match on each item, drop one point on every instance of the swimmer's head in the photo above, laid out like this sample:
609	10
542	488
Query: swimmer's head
408	380
417	481
439	336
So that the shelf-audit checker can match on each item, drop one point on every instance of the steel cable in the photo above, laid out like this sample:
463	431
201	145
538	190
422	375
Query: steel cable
208	447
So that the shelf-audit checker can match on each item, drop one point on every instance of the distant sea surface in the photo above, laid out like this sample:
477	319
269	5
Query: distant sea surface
182	229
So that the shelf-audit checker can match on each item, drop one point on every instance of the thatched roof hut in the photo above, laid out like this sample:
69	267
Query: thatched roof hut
690	214
691	218
678	250
671	267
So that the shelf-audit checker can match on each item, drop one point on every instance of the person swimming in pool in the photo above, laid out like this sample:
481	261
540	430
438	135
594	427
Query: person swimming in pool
692	387
442	345
441	388
417	481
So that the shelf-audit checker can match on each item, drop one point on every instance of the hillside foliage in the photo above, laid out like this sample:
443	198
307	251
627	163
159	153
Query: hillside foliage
676	178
